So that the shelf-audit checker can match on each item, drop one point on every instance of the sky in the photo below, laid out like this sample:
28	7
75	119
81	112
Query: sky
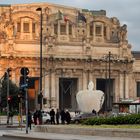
127	11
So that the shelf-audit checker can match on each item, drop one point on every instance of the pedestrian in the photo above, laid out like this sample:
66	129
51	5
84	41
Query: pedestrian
68	117
57	116
29	120
39	116
63	116
52	115
35	117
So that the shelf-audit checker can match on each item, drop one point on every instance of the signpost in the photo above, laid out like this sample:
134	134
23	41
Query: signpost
23	84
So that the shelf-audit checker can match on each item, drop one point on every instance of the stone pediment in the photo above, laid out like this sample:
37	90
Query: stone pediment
18	14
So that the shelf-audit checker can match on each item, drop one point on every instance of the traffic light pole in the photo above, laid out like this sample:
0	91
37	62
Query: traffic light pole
26	99
40	83
24	84
7	97
26	102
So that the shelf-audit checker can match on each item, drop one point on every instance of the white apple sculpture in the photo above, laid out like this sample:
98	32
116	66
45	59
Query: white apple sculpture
90	99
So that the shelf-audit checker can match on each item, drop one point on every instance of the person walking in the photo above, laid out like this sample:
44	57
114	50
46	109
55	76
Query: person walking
63	116
52	115
39	116
68	117
57	116
29	120
35	117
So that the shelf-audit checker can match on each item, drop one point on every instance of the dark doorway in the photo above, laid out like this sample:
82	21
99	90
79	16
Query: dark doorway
107	87
67	93
33	86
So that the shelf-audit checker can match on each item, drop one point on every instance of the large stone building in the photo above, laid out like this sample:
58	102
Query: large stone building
79	46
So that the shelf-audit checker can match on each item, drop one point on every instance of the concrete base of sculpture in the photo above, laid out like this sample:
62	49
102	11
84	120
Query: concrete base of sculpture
89	100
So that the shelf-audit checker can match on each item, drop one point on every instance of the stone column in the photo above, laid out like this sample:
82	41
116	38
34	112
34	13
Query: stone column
21	37
52	89
127	86
73	31
67	28
52	29
102	30
121	85
90	76
117	95
88	30
21	28
57	91
30	29
46	87
94	33
47	90
108	33
84	80
58	29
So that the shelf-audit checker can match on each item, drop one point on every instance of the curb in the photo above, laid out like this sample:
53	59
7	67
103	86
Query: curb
112	132
15	126
24	137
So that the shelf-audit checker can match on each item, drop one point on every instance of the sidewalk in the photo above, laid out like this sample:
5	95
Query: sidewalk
56	136
70	132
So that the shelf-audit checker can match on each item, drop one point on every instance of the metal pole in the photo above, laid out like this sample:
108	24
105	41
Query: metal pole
109	82
7	74
106	96
41	60
124	82
40	83
21	113
26	101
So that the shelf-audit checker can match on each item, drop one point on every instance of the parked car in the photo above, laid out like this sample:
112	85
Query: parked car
79	117
46	117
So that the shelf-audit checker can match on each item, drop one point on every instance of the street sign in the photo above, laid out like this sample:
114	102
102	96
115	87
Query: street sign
24	85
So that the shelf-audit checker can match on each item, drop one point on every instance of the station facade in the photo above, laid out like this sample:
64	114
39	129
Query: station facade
79	46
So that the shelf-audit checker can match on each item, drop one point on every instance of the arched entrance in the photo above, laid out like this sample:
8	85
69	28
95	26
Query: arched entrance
108	88
67	93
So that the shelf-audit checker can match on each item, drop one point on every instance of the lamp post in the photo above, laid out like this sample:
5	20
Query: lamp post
40	82
109	80
107	59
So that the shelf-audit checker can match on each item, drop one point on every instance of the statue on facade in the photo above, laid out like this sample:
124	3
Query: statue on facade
90	99
123	32
9	29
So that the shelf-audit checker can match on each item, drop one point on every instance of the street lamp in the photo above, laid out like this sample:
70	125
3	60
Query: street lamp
108	58
40	82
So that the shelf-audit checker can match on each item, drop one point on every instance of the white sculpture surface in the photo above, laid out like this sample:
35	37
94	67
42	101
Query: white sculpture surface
90	99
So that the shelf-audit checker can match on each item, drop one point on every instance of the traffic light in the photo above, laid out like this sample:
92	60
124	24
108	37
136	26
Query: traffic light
24	79
9	99
24	71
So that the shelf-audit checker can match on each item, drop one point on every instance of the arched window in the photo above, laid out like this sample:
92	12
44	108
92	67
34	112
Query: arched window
98	30
63	29
56	29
